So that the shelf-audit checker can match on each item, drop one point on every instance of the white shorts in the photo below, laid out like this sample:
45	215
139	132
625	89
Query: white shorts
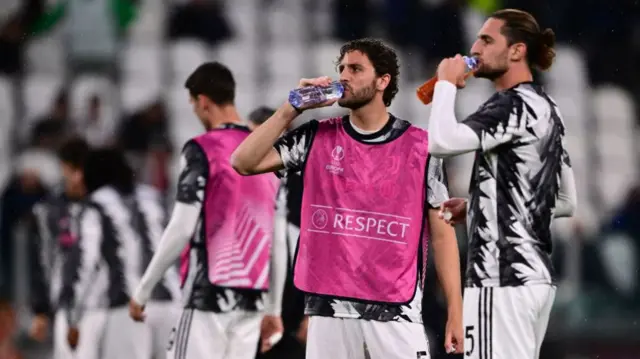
506	322
124	338
91	330
339	338
161	317
207	335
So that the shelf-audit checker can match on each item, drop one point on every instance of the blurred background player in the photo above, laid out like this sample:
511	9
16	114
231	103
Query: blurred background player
142	205
111	258
55	251
522	180
215	211
269	45
346	320
287	228
148	219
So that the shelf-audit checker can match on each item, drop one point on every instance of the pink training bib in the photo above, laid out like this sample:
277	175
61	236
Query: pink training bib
362	216
239	215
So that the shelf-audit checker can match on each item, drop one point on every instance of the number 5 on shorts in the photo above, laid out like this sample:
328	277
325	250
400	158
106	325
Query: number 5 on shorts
468	334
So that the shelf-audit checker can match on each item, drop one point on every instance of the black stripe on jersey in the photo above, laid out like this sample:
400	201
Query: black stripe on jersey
490	336
110	246
183	334
485	323
178	334
480	325
139	223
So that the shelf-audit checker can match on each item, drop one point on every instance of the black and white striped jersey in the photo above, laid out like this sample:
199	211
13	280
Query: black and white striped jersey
52	230
514	188
117	237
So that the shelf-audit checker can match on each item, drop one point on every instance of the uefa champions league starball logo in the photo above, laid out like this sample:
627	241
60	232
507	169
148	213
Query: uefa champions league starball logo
320	218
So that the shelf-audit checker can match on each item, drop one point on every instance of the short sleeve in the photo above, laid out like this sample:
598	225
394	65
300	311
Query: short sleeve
502	119
194	171
294	146
437	191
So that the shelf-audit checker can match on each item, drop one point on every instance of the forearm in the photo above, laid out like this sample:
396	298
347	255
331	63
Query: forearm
567	196
278	273
248	158
183	222
447	260
447	137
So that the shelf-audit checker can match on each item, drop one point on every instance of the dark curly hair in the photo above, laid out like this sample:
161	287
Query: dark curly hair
383	58
108	167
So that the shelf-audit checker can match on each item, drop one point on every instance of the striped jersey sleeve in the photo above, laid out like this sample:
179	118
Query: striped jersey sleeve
501	120
84	265
437	191
193	174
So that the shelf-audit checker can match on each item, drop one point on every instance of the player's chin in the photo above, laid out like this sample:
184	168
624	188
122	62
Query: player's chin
346	103
351	103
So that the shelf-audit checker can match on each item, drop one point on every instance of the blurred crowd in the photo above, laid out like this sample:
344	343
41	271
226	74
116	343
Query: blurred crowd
601	265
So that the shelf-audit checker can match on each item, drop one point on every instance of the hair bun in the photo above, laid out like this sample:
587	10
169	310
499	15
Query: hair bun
548	38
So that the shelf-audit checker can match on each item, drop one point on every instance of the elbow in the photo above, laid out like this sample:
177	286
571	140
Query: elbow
437	150
239	166
566	208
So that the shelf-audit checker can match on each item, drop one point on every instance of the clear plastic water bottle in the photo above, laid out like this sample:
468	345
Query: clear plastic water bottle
313	95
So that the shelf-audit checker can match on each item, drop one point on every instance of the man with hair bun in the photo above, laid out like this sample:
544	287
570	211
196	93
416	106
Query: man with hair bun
522	179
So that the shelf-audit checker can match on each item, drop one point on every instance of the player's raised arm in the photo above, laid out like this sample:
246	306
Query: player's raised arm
502	122
256	154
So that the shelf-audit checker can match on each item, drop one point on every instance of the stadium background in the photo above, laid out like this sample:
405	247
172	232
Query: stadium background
113	71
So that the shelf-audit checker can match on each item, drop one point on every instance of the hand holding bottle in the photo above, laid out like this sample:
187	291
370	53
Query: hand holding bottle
425	91
316	92
454	69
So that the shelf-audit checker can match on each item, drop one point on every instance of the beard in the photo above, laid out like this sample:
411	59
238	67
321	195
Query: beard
493	72
489	73
358	98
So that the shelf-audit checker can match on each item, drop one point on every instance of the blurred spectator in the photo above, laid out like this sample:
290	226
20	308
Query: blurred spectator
37	171
199	19
619	253
14	34
94	30
51	129
144	136
95	128
145	129
258	116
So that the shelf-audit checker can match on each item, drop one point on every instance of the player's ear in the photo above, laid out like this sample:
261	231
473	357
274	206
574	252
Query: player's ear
382	82
204	103
517	52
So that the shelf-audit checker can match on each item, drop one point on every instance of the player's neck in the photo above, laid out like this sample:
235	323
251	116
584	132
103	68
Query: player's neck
511	78
370	118
225	114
